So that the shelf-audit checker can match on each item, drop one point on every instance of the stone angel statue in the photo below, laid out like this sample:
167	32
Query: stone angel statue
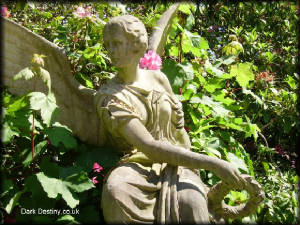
137	113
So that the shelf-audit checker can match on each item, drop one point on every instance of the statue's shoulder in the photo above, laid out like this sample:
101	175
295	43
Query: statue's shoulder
157	75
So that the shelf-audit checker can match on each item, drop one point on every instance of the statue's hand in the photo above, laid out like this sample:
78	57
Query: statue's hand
229	175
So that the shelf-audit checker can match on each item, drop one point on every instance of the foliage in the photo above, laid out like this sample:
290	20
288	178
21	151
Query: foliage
236	74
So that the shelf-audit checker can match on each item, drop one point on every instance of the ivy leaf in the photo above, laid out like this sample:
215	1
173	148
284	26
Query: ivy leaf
61	134
45	103
243	73
24	73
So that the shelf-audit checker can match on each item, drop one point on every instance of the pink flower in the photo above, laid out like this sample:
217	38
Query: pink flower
97	168
83	12
5	12
94	180
150	61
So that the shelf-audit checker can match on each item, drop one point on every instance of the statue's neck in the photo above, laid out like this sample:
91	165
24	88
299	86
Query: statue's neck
129	74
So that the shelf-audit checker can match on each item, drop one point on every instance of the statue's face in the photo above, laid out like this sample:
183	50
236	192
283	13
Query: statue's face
119	48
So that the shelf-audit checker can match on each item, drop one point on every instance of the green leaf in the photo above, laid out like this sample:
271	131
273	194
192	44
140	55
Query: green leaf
177	73
233	48
192	42
216	107
266	166
190	22
257	99
17	105
12	203
185	8
45	103
37	150
45	75
103	156
291	81
7	133
189	90
174	51
84	79
66	219
220	97
6	185
237	162
213	84
243	73
224	60
213	70
50	169
53	187
61	134
24	73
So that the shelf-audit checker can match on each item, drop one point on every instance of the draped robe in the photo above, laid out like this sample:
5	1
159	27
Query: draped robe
139	190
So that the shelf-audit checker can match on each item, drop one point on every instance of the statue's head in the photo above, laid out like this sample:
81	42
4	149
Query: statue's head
125	38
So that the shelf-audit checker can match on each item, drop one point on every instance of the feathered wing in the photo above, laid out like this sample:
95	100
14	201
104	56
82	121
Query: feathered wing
75	102
158	38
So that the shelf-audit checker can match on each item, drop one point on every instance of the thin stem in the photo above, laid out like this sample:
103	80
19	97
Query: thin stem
180	48
33	115
32	136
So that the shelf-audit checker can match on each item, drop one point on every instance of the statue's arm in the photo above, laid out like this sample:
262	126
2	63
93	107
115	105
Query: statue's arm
135	132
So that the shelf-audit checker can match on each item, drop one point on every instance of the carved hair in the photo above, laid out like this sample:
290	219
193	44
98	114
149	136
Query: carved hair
133	28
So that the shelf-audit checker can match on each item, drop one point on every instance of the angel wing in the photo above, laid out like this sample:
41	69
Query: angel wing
158	37
76	102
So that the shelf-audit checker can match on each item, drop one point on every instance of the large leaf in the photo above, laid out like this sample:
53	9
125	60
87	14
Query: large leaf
45	103
192	42
216	107
61	134
78	182
243	73
213	84
177	73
